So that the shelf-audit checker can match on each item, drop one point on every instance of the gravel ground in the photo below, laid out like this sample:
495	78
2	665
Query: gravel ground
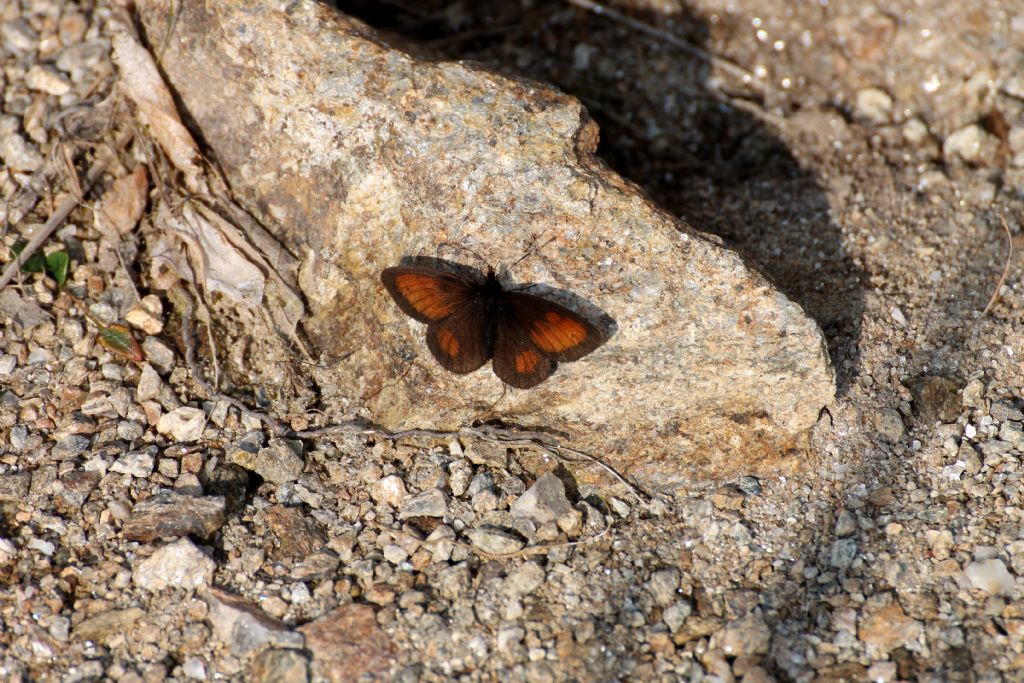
150	532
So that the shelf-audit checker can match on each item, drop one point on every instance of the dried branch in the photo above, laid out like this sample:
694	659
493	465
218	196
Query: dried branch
501	435
64	209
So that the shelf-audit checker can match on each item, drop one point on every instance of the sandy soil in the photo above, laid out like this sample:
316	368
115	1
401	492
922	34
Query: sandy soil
862	156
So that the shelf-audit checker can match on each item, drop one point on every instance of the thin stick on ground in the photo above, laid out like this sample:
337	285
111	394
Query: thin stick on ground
1002	278
501	435
63	210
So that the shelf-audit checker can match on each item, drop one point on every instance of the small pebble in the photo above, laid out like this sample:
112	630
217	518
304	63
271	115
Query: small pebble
430	503
971	144
495	541
873	105
182	424
176	565
991	576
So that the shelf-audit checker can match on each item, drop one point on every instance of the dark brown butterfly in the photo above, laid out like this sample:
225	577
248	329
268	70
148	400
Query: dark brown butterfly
470	322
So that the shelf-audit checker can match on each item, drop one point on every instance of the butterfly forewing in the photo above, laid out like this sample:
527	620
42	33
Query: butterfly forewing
459	342
517	360
471	321
554	329
425	294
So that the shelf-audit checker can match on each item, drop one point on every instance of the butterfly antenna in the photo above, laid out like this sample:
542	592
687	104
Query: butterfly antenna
455	245
490	409
531	250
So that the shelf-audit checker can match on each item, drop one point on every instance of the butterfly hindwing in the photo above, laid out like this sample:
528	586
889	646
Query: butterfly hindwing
459	342
517	360
556	331
426	294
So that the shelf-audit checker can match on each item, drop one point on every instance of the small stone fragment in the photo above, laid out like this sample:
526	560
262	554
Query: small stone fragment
177	565
844	551
889	425
146	315
136	463
524	580
47	80
158	353
245	628
846	523
430	503
495	540
19	154
295	535
888	627
991	576
1006	411
873	105
664	586
75	487
169	515
14	487
747	636
389	490
348	645
543	502
676	614
319	565
493	455
101	626
281	461
972	144
182	424
278	665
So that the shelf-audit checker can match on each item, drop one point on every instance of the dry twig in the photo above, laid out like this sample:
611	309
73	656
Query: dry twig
500	435
1002	278
64	209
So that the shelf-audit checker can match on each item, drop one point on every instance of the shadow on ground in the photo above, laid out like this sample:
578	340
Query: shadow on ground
696	154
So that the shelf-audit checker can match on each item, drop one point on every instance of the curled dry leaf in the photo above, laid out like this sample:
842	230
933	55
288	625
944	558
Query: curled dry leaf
212	260
141	82
121	206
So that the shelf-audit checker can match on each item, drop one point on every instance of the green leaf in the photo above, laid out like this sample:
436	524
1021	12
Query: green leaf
57	266
118	340
35	262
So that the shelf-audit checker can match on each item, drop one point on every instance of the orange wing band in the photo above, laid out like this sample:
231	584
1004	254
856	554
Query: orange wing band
425	296
556	333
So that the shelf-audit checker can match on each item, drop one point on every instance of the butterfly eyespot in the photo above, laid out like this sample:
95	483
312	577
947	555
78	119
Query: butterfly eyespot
449	343
526	361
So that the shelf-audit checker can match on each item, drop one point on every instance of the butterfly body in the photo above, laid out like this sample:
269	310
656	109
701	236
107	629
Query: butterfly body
470	321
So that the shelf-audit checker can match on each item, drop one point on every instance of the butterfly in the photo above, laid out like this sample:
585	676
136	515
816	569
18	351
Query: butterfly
470	321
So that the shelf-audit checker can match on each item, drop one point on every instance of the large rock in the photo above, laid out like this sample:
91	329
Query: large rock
357	155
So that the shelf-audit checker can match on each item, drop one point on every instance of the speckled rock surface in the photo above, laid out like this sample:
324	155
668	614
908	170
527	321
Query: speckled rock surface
362	155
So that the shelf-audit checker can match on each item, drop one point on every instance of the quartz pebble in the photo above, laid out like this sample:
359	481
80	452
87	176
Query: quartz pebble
176	565
182	424
430	503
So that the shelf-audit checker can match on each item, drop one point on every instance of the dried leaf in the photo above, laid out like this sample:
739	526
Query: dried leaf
219	266
141	81
118	339
121	206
